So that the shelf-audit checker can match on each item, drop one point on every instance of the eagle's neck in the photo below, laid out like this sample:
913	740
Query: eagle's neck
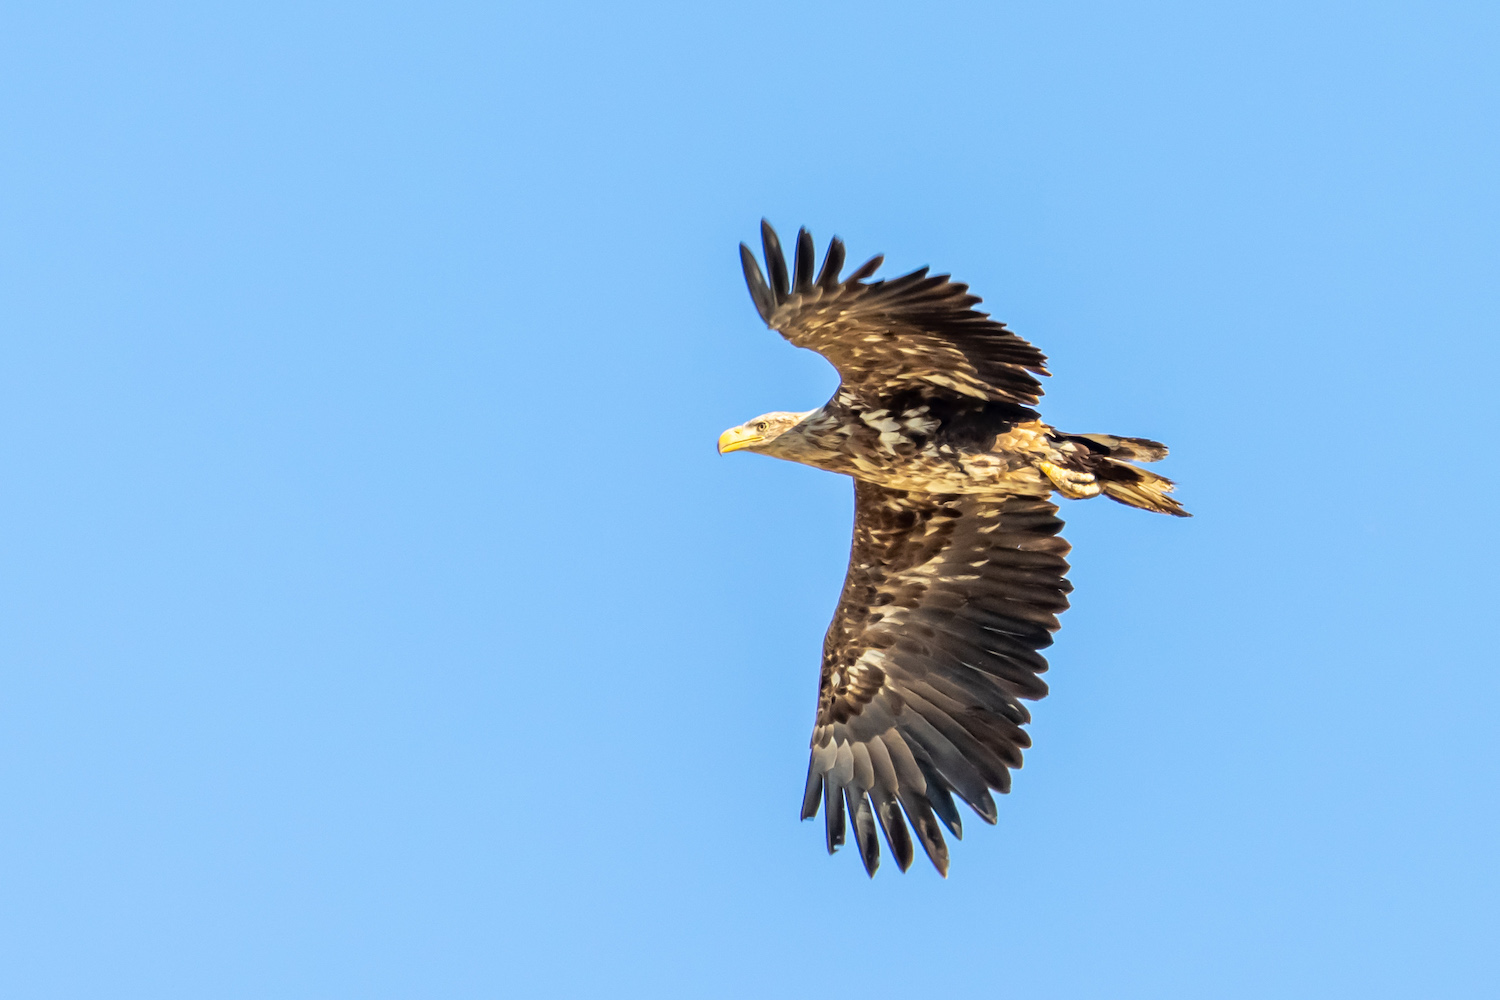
845	435
817	440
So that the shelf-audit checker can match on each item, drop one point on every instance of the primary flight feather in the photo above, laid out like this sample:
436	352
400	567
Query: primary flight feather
957	572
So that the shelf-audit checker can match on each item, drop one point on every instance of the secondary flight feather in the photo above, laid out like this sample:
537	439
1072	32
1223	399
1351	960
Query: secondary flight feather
957	572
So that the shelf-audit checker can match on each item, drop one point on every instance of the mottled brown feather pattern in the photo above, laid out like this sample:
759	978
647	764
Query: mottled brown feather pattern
886	336
947	600
891	335
956	572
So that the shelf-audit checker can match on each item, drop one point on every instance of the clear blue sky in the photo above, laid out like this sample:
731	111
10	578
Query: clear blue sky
378	620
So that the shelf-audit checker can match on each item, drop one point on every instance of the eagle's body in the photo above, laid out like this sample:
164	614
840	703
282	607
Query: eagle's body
956	573
931	443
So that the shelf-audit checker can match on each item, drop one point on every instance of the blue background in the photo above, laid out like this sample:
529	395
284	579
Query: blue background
378	620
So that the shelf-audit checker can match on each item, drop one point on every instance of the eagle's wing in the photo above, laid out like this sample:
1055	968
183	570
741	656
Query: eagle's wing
886	336
935	640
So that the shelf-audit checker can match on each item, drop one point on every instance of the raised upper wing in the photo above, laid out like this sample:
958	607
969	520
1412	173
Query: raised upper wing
933	645
886	336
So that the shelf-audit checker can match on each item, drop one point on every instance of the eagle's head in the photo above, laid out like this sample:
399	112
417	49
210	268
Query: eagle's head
759	434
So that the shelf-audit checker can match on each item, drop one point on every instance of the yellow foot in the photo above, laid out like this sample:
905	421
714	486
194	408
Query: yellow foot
1073	485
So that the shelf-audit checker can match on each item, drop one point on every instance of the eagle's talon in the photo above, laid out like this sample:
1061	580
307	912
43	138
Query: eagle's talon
1073	485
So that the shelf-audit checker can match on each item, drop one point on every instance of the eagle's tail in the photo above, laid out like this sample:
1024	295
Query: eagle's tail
1130	449
1104	467
1137	487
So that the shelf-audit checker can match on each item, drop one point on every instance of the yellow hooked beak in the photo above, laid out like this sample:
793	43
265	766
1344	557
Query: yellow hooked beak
736	438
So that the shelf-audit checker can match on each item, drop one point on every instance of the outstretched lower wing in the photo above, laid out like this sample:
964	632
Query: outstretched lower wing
884	337
933	645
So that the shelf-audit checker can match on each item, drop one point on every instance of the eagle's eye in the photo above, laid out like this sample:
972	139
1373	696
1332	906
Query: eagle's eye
760	426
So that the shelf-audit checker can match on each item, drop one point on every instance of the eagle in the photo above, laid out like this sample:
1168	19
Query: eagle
957	572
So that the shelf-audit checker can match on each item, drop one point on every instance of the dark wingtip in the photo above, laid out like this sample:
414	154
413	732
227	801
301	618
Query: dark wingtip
937	851
924	824
812	794
775	261
903	852
833	263
760	293
985	807
804	261
865	838
941	801
868	268
833	817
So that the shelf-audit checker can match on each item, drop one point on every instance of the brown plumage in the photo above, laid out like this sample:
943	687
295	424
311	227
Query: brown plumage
956	574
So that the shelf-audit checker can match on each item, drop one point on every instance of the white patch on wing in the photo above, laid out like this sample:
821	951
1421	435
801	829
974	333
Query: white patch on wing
921	424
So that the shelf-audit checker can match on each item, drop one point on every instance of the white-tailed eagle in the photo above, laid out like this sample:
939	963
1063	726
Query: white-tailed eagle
957	572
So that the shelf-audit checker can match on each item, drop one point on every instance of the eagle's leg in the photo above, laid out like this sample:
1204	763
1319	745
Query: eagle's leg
1071	483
